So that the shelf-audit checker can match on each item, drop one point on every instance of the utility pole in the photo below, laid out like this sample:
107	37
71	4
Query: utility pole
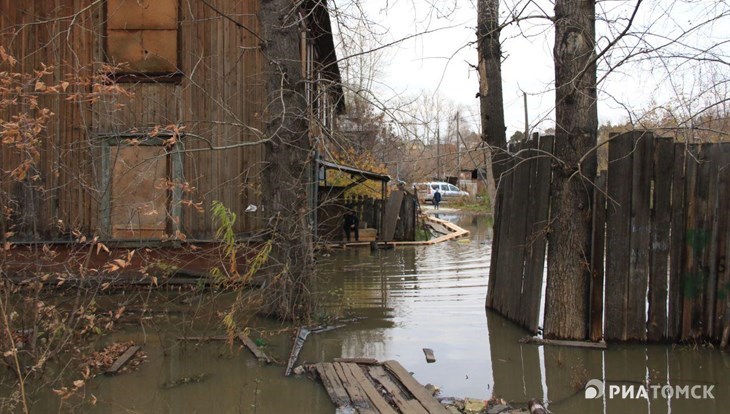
527	129
438	152
458	148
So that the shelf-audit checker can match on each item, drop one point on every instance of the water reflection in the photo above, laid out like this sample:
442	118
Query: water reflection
404	299
434	297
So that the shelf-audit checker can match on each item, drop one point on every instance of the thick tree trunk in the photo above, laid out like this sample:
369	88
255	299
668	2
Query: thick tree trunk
285	178
569	253
490	81
492	110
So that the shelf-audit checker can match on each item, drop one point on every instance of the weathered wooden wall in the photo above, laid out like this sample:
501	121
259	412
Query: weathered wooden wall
217	99
660	241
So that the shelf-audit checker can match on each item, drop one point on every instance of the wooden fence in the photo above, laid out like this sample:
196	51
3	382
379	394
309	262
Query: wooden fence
660	241
369	212
518	247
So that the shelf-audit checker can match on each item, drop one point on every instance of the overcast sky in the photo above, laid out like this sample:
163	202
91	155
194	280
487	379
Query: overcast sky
439	63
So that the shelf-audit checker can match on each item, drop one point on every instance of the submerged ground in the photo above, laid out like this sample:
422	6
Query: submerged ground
398	302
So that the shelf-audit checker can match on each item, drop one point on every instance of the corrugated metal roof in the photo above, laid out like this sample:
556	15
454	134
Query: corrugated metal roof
356	171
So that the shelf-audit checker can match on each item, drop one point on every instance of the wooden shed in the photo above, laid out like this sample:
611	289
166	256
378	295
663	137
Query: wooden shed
162	113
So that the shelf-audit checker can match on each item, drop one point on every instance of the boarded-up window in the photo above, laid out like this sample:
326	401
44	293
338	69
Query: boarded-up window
139	197
142	35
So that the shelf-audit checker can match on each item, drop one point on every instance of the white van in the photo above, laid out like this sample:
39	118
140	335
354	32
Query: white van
448	191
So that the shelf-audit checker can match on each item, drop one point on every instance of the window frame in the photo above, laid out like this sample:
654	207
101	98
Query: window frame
175	76
175	174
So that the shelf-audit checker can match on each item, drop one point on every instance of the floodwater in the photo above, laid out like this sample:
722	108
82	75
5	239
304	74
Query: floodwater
401	301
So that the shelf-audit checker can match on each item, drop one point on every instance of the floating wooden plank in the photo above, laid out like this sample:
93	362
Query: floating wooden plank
660	242
255	350
302	334
203	338
618	233
555	342
123	359
373	394
324	328
429	355
376	399
415	388
403	401
332	384
357	395
361	361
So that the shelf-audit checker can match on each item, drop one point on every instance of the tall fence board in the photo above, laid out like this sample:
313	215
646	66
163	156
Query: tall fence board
618	234
518	256
660	240
661	211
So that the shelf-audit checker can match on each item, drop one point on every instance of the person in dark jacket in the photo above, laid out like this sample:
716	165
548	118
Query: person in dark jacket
436	199
351	223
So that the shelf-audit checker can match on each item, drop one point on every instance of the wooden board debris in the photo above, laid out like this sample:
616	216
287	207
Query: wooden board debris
203	338
333	385
430	357
415	388
255	350
402	400
376	388
376	399
360	361
359	399
123	359
302	335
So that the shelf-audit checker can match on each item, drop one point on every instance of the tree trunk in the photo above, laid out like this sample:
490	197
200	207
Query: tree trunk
285	180
490	81
492	111
569	248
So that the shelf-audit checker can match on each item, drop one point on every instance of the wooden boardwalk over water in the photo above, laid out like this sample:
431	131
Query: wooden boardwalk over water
368	386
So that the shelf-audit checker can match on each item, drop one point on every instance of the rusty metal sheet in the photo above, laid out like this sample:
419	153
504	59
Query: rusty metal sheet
145	51
138	194
142	14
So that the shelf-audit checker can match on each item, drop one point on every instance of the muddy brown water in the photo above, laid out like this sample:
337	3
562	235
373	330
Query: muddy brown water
404	300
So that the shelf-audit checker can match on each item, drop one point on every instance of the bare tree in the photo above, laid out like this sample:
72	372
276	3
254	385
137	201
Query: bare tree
490	79
569	234
287	173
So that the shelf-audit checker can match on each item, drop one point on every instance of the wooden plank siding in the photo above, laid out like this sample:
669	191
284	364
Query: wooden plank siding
218	100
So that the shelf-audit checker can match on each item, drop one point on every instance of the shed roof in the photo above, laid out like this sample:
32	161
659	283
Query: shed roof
355	171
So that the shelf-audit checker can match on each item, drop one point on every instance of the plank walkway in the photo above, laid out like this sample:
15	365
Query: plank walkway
454	232
367	386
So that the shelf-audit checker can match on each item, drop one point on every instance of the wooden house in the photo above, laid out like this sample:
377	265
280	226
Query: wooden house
162	114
